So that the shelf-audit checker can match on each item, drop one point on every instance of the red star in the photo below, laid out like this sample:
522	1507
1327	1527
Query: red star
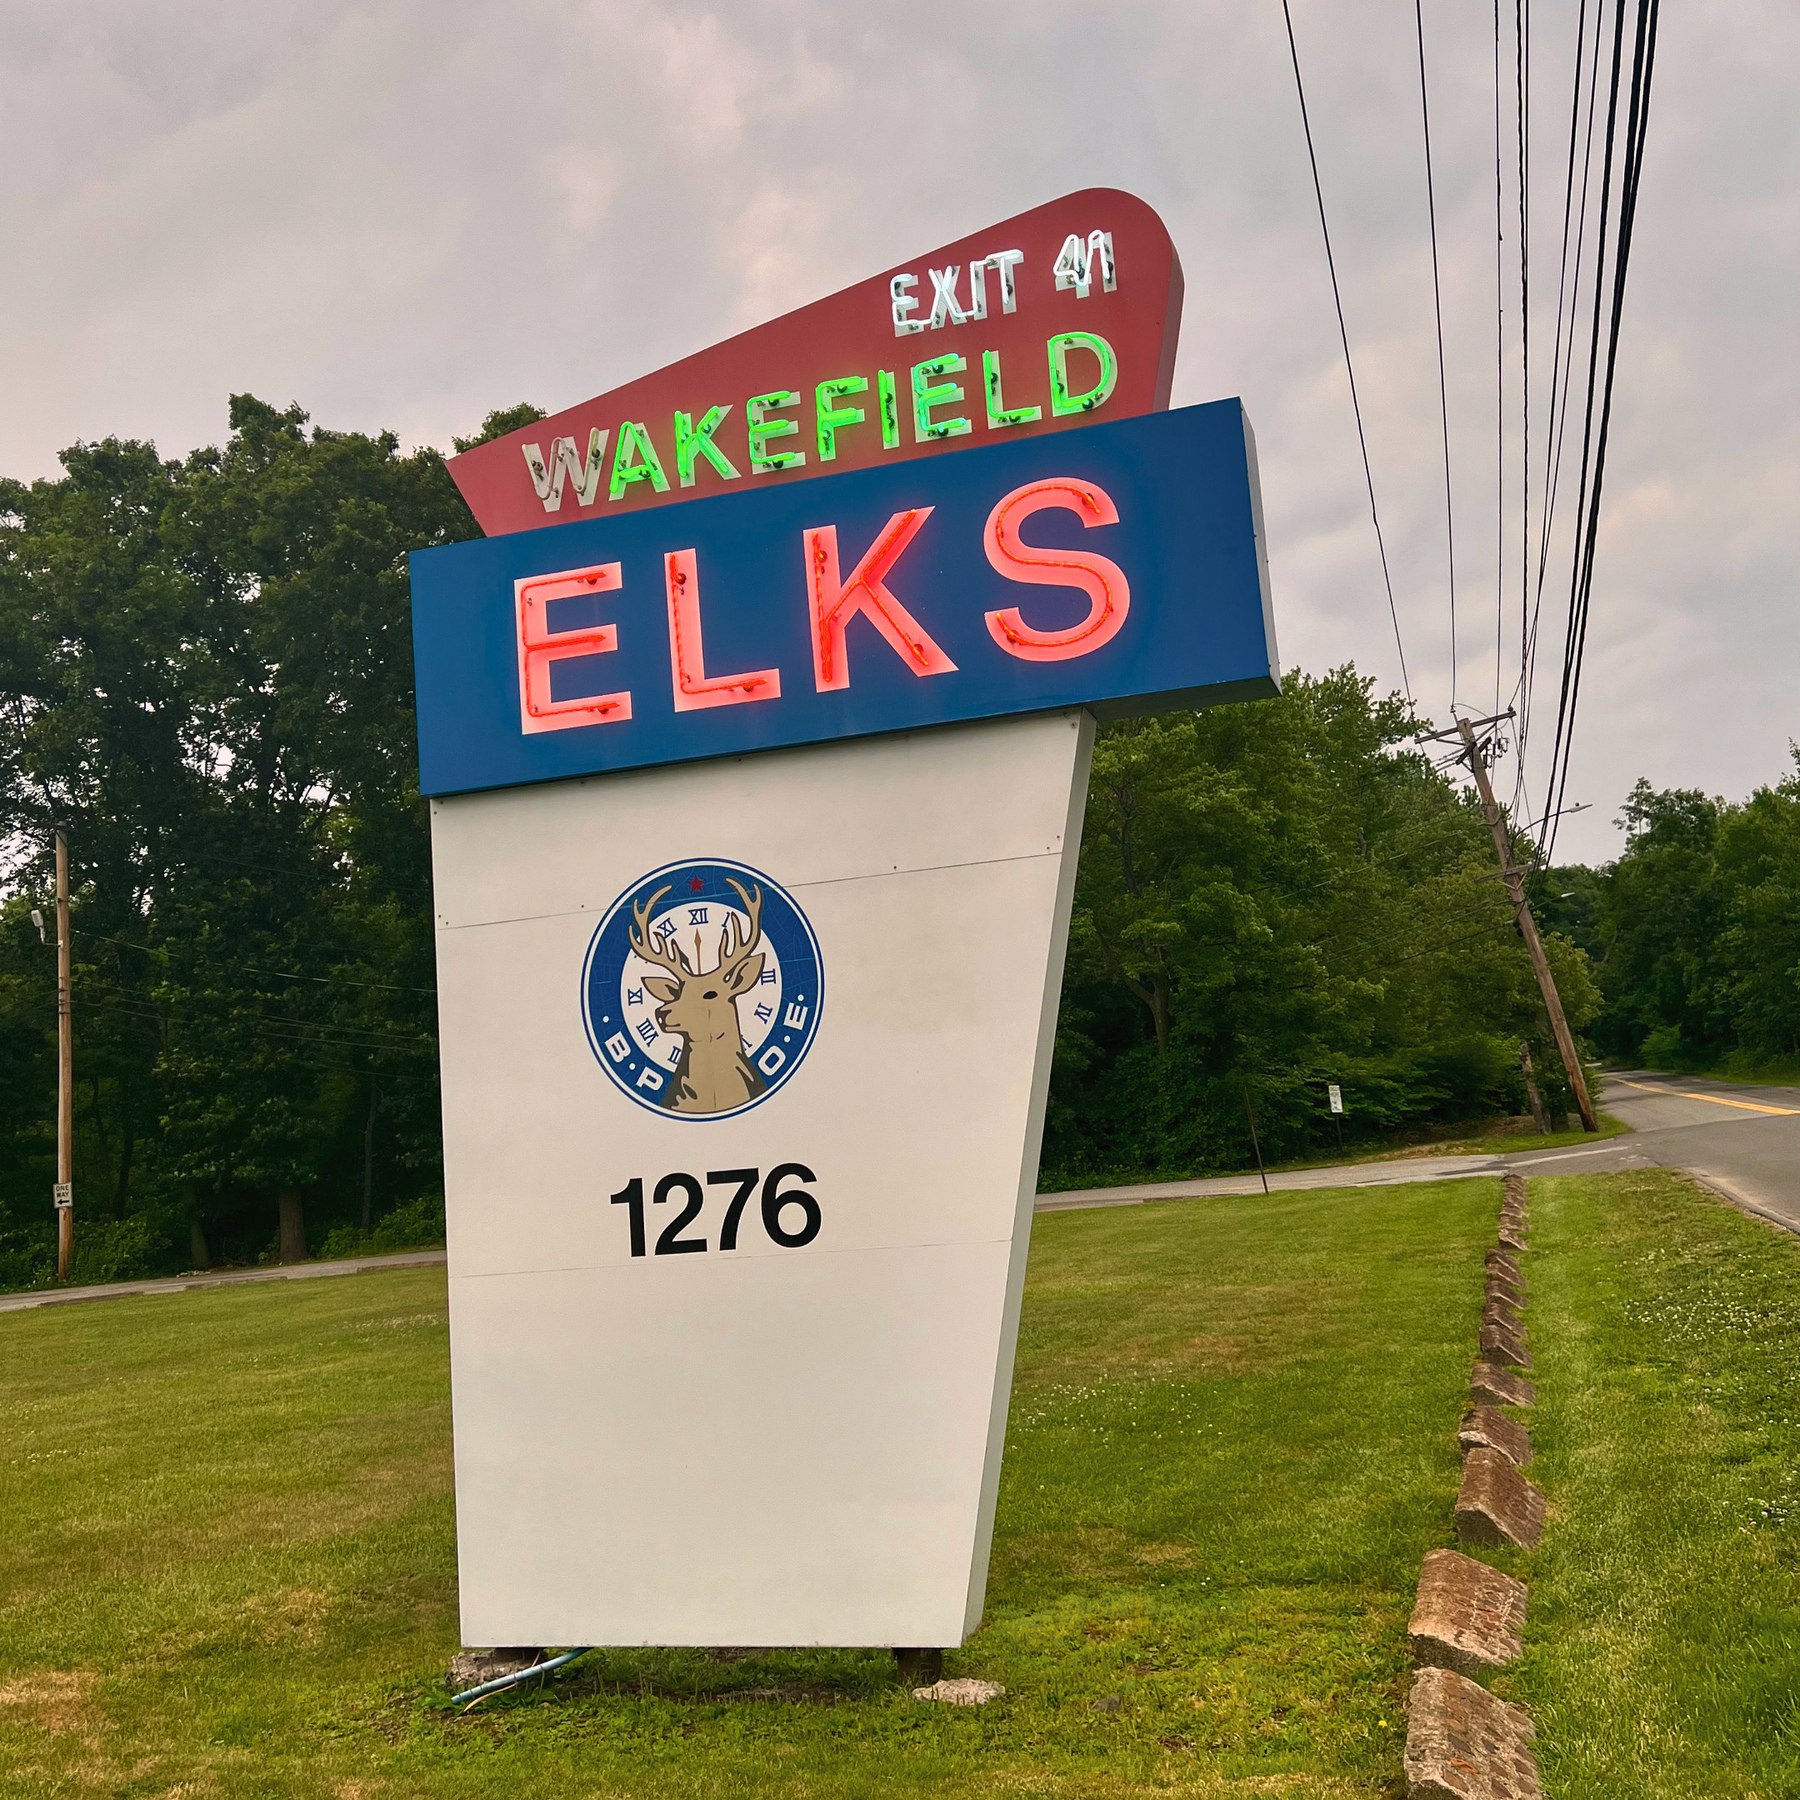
696	885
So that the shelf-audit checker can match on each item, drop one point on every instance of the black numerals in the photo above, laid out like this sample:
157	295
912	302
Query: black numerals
774	1202
746	1186
790	1216
672	1243
632	1195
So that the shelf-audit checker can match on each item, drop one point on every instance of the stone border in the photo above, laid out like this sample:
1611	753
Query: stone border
1462	1742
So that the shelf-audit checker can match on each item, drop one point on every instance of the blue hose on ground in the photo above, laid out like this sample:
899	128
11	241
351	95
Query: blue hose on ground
468	1699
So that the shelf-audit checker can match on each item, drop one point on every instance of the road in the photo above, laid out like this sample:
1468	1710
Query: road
1743	1142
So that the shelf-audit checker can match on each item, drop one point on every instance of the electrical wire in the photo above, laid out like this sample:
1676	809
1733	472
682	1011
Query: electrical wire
1562	372
1522	66
1499	378
1437	292
1594	442
1349	365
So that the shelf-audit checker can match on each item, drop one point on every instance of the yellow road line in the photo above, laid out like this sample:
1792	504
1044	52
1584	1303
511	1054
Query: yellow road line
1714	1099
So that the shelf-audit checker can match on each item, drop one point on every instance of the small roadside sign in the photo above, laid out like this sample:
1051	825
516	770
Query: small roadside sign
1337	1096
65	1195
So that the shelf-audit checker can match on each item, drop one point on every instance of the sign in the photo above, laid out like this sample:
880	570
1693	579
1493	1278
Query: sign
1336	1096
1121	568
64	1194
756	797
1051	320
739	1183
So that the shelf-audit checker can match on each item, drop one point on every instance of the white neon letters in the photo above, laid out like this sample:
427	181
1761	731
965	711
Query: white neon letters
566	464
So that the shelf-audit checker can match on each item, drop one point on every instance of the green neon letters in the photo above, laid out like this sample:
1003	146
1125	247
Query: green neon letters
834	418
692	440
635	459
926	396
890	410
998	412
764	461
1062	402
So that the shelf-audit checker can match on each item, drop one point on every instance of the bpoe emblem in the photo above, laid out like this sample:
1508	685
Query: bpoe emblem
702	989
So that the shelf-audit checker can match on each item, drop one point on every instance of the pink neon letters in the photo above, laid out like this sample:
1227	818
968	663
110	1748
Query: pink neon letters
694	689
539	648
835	603
1104	583
831	603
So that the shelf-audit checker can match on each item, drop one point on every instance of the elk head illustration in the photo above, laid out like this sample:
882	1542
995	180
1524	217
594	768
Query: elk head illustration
713	1075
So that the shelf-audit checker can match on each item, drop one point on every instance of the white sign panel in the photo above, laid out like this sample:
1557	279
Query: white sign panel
1336	1095
744	1066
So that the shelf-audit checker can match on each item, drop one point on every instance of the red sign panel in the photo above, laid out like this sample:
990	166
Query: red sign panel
1066	315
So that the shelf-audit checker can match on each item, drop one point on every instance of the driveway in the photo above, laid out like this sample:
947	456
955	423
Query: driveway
1743	1142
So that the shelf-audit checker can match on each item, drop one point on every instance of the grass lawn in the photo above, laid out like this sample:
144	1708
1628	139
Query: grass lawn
229	1565
1663	1655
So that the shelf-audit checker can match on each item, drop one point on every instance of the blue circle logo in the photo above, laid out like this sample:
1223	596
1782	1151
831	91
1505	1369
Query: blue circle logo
702	989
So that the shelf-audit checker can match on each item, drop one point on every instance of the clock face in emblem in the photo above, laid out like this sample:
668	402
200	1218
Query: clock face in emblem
702	989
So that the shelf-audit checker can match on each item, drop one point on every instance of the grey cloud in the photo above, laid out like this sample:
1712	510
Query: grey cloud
406	214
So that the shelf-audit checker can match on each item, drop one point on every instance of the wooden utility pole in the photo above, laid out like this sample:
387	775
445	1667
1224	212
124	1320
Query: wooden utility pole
65	1072
1514	877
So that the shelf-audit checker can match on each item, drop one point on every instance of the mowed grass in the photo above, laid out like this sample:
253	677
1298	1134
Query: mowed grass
227	1561
1663	1645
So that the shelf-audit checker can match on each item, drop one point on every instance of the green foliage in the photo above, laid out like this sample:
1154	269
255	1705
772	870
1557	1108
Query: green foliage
1273	897
206	675
1697	929
414	1225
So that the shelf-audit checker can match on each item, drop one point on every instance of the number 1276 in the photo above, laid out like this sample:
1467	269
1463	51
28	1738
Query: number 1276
777	1208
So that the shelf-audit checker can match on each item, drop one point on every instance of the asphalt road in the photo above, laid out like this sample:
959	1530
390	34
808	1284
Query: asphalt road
1743	1142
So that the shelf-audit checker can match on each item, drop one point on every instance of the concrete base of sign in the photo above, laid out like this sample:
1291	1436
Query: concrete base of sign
472	1667
966	1692
730	1435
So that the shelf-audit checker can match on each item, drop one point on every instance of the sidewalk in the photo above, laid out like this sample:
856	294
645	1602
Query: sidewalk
182	1284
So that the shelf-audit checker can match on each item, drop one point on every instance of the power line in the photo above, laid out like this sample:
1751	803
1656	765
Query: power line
1636	131
1595	441
1499	377
1522	66
1437	293
1344	336
1568	301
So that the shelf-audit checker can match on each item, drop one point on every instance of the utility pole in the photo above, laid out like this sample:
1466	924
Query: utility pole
1514	877
65	1071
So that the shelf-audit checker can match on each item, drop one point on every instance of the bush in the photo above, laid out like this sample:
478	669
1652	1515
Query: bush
414	1225
117	1250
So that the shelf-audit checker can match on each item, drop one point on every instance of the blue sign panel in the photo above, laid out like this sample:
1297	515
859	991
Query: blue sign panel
1118	567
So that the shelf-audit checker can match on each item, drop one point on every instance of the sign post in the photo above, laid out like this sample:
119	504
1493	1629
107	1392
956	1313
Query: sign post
754	825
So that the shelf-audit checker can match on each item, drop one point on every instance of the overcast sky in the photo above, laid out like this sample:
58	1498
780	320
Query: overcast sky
405	214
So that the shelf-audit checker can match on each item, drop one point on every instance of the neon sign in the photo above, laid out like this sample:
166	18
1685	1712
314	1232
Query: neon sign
1119	567
1064	315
